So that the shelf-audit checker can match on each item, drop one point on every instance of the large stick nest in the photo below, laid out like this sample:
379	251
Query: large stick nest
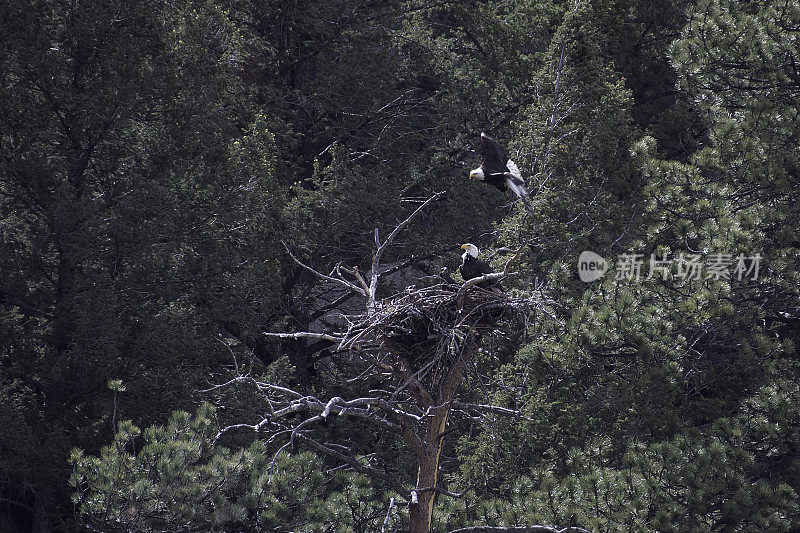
436	323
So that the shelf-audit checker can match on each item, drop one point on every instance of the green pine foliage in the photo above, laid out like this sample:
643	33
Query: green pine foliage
134	215
174	478
725	476
156	157
666	373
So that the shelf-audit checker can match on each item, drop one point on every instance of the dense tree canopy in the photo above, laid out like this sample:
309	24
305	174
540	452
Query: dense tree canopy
181	181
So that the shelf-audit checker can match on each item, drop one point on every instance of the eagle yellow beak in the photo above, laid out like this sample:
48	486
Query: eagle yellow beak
464	246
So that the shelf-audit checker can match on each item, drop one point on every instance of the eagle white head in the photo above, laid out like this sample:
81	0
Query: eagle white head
470	249
476	174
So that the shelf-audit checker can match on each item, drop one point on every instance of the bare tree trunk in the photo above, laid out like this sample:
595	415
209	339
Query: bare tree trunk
421	513
428	473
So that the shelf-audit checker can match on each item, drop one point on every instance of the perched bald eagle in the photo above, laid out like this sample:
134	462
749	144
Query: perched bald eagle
498	170
472	267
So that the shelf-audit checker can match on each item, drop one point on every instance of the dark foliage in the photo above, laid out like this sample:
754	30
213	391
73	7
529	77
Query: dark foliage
159	159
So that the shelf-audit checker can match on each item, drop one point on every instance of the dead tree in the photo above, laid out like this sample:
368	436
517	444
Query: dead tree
411	349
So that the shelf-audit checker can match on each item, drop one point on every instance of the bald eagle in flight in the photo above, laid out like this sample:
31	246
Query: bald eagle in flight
498	170
472	267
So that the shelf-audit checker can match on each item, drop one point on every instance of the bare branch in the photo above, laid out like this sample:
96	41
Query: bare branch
494	275
353	463
438	490
514	257
322	310
304	335
327	410
504	250
410	261
388	515
519	529
376	259
491	409
356	274
353	287
277	388
238	379
480	279
252	427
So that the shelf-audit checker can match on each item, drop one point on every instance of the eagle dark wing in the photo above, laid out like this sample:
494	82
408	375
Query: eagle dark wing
494	157
473	268
483	267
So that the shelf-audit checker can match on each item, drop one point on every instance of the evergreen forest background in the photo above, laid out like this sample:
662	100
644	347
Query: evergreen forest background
158	158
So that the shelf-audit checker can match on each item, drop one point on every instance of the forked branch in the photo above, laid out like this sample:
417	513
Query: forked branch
338	279
359	285
381	247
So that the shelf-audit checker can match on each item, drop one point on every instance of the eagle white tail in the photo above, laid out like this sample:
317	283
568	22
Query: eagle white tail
515	181
519	189
514	169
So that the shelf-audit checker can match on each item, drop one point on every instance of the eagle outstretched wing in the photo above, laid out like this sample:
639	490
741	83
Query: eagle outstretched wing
494	157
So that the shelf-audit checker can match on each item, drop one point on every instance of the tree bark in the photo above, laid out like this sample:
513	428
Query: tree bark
421	513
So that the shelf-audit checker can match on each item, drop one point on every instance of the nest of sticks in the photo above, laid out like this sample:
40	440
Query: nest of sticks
425	326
